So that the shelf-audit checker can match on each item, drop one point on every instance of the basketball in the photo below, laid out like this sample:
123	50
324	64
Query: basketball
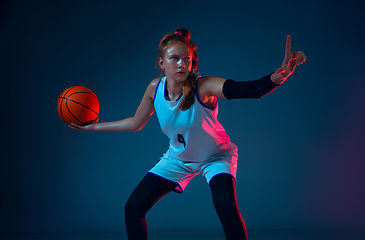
78	105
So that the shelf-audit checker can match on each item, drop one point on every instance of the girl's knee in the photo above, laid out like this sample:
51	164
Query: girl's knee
133	208
224	193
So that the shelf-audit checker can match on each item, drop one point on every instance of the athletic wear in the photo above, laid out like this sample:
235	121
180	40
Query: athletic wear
153	188
195	134
223	189
181	172
198	145
248	89
198	142
144	196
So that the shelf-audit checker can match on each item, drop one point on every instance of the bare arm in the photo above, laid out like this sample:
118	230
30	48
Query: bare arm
135	123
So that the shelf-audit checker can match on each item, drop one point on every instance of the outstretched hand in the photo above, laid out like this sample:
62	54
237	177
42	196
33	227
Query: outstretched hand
291	60
84	128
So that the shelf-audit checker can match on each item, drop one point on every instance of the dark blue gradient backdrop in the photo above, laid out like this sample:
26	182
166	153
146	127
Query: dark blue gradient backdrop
301	147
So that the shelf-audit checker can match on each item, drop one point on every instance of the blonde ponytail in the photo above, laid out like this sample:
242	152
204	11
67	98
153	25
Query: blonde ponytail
188	92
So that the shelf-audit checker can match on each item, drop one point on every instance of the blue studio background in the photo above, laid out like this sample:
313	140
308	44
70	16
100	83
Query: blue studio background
301	147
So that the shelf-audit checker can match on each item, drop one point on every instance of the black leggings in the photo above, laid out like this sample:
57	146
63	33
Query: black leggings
153	188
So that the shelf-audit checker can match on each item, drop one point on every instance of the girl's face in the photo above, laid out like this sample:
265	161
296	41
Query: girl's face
177	61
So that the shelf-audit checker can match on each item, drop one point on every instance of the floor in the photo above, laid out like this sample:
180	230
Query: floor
202	235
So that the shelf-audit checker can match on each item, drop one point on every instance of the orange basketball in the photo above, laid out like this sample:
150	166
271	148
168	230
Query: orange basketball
78	105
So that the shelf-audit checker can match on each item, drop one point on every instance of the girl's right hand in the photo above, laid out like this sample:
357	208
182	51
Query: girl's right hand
86	128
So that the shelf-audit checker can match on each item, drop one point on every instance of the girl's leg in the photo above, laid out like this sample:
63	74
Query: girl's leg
223	187
145	195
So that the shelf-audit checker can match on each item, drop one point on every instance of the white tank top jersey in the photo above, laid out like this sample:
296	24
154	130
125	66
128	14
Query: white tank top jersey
195	134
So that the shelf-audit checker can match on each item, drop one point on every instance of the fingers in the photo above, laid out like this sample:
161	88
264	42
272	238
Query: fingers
291	59
76	127
288	45
280	70
300	57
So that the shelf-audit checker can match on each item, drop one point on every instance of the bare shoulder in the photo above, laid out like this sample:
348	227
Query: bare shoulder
154	82
210	86
151	88
210	81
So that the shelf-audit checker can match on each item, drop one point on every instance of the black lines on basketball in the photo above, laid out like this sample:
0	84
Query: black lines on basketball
78	105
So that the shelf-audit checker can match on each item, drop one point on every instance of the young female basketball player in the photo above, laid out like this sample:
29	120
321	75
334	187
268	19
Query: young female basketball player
187	107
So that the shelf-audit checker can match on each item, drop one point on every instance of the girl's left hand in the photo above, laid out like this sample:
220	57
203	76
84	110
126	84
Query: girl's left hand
291	60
